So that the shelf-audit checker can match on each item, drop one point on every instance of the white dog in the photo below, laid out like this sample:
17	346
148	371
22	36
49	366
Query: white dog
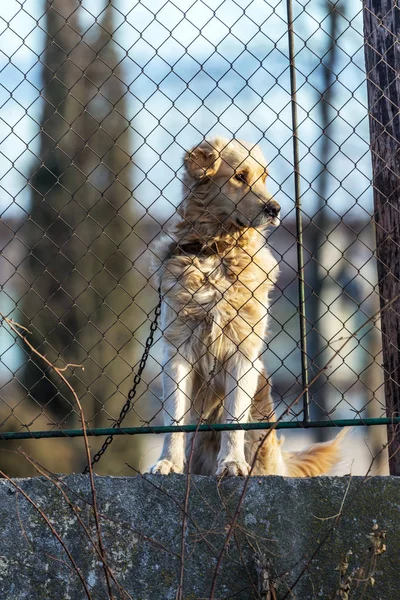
216	274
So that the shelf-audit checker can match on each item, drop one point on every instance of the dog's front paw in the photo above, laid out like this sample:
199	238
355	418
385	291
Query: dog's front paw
233	467
165	467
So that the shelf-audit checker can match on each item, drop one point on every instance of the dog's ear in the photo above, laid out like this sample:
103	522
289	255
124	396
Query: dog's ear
203	160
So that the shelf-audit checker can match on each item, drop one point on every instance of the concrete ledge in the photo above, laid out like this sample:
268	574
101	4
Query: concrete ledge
286	519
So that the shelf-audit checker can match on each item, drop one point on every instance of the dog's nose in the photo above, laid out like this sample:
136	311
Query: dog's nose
273	208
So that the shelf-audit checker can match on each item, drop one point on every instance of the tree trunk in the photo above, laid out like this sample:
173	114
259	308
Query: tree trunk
74	232
382	57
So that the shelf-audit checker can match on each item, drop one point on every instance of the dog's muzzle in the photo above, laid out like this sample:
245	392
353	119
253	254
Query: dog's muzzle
272	211
268	215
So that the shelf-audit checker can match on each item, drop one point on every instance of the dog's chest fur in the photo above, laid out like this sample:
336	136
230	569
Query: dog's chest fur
224	295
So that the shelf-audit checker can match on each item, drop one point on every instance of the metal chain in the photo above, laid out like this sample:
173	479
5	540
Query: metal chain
136	380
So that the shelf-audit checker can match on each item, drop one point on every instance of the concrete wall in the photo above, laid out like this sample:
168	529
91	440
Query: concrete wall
285	519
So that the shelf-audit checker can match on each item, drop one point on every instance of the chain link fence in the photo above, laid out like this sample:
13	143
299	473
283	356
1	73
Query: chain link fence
99	102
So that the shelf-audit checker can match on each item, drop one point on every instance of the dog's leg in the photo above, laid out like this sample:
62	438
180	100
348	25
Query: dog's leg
177	378
240	388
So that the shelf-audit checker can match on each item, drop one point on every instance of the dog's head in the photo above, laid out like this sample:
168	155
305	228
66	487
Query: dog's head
225	180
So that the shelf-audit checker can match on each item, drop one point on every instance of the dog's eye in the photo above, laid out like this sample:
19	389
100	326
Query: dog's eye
240	177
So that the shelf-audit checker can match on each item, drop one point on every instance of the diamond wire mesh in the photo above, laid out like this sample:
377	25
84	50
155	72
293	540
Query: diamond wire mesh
98	106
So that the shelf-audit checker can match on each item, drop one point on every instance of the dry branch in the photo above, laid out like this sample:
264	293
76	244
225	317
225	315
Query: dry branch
17	328
232	525
53	531
76	512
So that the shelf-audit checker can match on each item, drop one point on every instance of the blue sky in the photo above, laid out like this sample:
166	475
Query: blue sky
198	68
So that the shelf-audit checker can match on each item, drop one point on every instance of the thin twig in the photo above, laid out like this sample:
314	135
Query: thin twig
212	550
188	482
338	514
53	531
20	521
243	562
298	397
333	527
107	518
15	327
75	510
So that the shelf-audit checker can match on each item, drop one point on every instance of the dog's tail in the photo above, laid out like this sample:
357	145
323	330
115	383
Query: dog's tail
317	459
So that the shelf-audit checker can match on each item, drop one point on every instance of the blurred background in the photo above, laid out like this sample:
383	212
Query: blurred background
98	101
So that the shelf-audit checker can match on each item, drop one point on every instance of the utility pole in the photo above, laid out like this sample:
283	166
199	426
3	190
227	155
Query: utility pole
382	59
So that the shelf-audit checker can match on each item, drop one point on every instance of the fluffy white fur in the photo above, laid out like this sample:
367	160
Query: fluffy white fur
215	314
